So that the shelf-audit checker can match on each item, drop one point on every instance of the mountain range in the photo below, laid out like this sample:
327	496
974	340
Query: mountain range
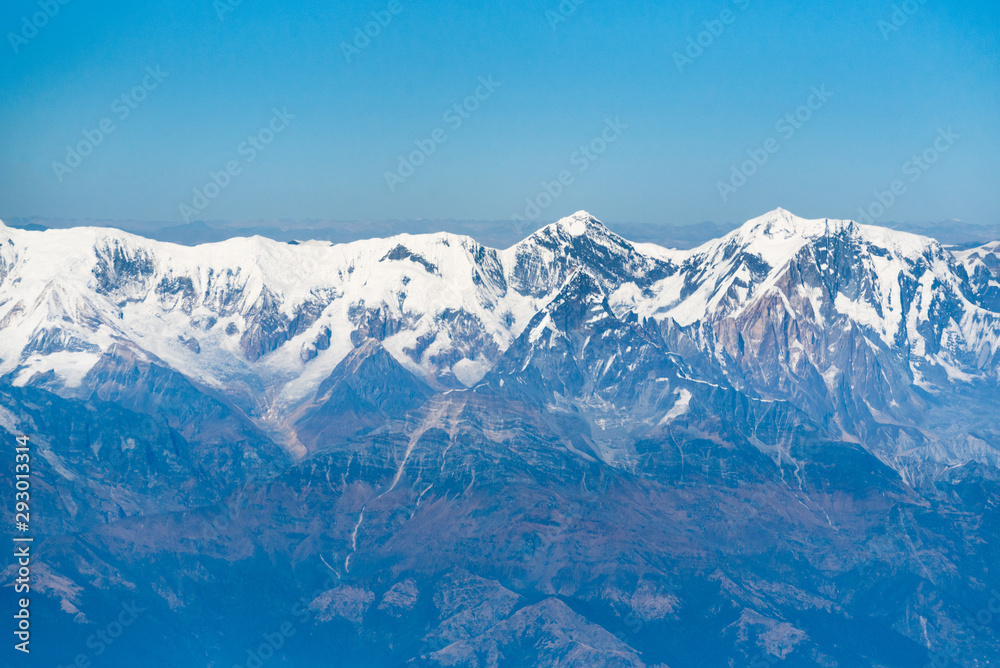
777	447
496	233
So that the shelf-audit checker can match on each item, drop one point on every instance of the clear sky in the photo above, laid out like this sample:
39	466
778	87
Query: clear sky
664	132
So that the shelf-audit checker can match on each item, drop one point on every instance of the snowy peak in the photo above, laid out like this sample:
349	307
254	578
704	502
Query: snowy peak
251	317
573	232
724	276
777	236
579	224
982	267
777	223
581	302
543	262
987	255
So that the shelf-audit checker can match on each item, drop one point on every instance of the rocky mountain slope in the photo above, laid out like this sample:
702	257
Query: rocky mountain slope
778	447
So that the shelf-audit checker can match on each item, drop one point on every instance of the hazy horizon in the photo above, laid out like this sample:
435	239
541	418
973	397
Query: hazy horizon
241	111
492	233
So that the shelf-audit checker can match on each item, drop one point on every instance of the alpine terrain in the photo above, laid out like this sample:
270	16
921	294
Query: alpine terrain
781	447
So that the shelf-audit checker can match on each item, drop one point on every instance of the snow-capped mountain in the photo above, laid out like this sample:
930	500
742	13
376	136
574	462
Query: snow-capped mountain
876	333
778	446
906	292
444	306
260	321
869	331
982	266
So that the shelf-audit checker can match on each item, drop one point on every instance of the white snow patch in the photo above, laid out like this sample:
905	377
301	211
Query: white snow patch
680	407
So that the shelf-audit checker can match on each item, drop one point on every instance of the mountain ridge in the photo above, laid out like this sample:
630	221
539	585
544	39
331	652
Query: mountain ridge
753	451
264	321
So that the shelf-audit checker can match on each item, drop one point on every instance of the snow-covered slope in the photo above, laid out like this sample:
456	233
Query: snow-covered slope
871	331
444	306
982	266
886	281
782	308
247	308
904	291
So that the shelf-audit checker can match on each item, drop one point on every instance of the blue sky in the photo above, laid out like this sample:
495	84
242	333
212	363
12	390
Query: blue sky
559	79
